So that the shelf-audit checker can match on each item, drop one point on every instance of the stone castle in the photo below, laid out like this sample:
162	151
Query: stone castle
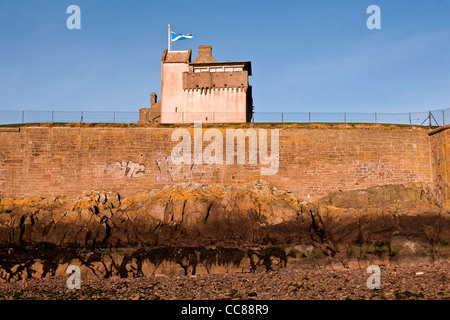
52	161
204	90
312	161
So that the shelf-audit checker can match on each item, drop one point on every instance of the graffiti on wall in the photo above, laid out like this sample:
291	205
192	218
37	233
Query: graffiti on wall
367	170
126	169
168	171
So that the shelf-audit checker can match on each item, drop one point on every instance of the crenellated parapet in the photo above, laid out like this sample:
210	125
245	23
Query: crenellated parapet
216	80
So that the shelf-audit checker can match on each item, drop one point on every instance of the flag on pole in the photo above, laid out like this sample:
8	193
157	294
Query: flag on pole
177	37
172	37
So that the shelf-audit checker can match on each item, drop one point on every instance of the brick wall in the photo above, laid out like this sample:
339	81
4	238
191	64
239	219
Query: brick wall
440	146
50	161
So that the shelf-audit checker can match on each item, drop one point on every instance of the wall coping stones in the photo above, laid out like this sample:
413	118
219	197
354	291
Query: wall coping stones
437	130
9	129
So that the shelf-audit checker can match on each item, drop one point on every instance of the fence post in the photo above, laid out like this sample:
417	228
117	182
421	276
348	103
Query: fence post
376	119
52	116
429	116
23	115
309	116
282	118
345	117
114	117
81	117
410	122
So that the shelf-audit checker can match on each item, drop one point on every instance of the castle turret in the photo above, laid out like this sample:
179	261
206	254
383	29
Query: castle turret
204	90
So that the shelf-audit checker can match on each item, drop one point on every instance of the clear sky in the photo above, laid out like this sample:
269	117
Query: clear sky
306	55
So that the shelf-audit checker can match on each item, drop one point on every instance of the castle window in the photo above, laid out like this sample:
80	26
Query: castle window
230	69
176	109
196	70
216	69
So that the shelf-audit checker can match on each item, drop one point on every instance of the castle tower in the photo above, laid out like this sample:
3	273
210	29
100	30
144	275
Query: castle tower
204	90
173	64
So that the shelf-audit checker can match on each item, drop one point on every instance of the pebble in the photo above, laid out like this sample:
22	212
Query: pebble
284	284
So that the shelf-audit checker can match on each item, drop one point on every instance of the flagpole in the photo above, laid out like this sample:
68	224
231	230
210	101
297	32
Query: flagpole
168	38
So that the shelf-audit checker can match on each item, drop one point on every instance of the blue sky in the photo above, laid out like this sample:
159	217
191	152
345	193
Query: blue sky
306	55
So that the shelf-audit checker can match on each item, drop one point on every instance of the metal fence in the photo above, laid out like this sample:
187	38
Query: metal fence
32	116
427	118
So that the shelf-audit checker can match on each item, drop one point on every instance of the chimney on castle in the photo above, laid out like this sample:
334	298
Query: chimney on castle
204	55
153	99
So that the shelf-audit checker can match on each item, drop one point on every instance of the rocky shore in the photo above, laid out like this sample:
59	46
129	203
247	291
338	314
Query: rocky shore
420	282
214	231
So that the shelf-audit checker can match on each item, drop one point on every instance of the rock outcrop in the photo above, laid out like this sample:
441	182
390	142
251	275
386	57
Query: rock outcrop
194	228
186	214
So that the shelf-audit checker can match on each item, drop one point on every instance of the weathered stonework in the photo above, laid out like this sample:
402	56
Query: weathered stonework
53	161
440	147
